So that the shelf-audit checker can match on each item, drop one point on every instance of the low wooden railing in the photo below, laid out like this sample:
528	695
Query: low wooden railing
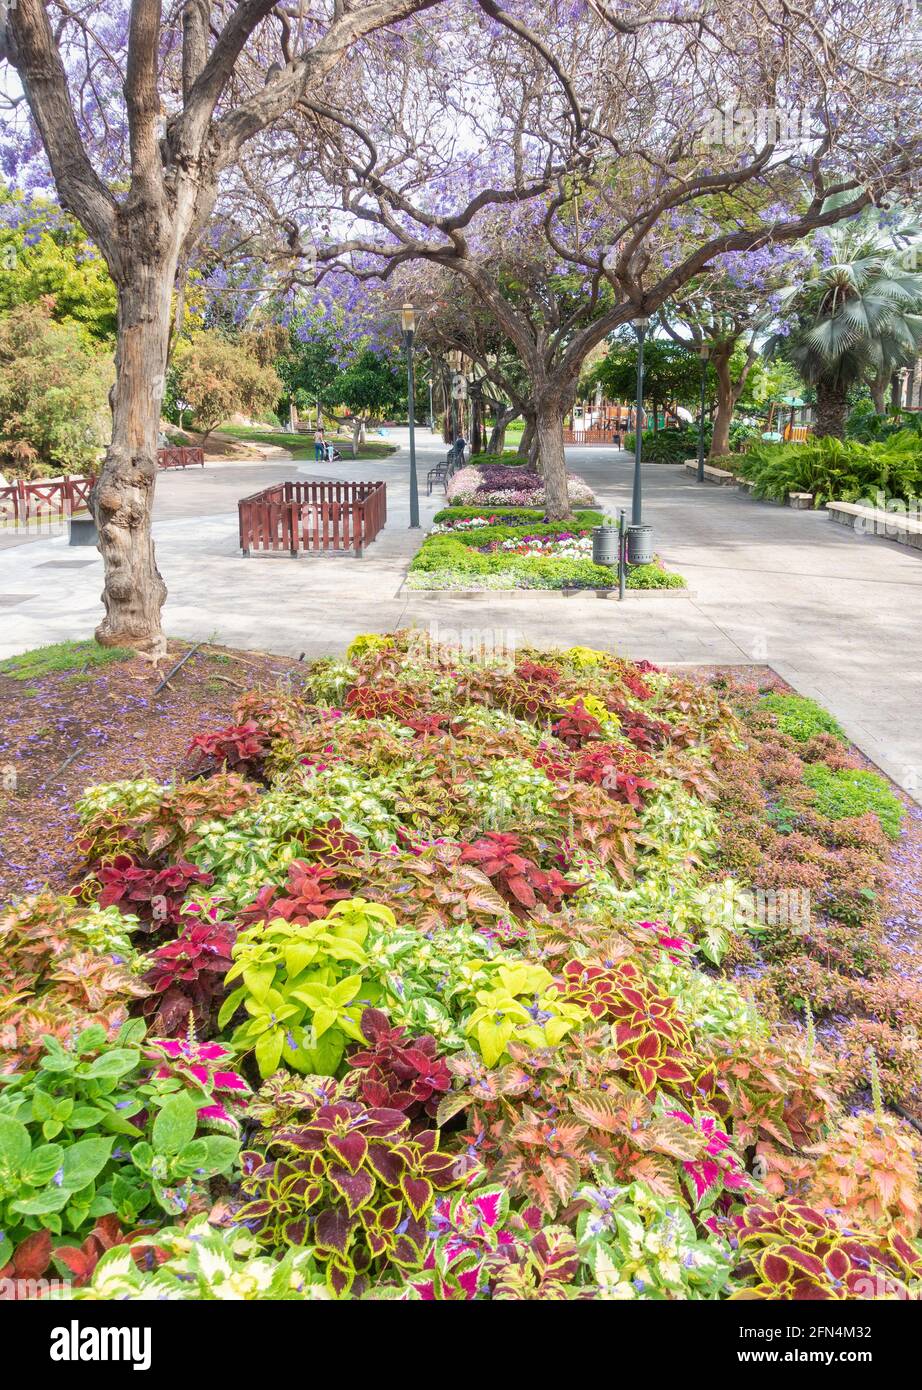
21	501
312	516
181	456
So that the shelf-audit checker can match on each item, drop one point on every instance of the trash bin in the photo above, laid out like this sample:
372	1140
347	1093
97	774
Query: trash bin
83	531
605	545
639	545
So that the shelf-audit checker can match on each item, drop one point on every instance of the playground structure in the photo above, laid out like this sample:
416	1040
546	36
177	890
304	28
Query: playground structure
607	422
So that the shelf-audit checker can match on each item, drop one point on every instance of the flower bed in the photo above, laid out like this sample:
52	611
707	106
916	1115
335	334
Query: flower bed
507	550
448	978
499	486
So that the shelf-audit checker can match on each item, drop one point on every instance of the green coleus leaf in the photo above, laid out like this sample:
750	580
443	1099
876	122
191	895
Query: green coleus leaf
175	1124
258	980
15	1144
231	1005
83	1161
51	1200
269	1050
115	1062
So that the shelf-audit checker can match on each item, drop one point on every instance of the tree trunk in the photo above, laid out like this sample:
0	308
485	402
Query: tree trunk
726	400
552	463
831	409
122	498
879	393
528	437
505	414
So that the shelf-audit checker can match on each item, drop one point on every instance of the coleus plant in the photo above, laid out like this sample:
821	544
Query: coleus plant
353	1183
307	896
203	1068
240	746
302	1006
470	1241
792	1251
38	1254
520	1003
186	977
198	1261
397	1071
156	895
649	1036
576	726
637	1245
517	877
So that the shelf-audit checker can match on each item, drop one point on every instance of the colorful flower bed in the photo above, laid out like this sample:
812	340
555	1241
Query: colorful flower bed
497	485
543	976
467	549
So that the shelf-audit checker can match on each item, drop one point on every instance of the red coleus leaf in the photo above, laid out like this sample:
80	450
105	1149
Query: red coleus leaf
418	1192
351	1148
355	1188
31	1257
386	1163
333	1230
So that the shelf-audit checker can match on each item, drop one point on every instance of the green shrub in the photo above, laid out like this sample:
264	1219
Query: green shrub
509	458
449	563
516	516
800	718
854	792
834	470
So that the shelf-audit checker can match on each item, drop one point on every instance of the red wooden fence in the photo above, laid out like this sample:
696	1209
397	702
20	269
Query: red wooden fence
312	516
180	457
21	501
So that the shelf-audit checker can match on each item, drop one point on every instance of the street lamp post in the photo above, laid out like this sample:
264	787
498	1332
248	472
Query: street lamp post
431	411
640	328
408	323
704	353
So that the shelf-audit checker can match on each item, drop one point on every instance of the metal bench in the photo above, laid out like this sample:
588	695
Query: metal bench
452	461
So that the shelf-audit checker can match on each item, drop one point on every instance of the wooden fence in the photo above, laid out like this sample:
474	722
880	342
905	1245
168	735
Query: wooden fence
22	501
310	516
43	497
180	457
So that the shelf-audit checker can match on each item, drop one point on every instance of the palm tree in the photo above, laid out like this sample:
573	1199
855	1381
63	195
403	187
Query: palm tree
858	318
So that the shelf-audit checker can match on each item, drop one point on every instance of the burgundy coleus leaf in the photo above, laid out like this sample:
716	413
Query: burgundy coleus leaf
355	1188
350	1148
386	1163
333	1229
418	1192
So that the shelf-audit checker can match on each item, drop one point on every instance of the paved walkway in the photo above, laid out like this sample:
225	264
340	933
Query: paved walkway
835	614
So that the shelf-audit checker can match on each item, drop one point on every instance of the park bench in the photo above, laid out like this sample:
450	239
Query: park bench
452	461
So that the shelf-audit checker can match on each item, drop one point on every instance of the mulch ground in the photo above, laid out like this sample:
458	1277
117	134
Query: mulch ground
67	731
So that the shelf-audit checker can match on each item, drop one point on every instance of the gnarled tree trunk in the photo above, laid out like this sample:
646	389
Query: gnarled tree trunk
121	500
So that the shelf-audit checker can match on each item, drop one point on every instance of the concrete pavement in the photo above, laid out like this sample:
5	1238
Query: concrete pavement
833	612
